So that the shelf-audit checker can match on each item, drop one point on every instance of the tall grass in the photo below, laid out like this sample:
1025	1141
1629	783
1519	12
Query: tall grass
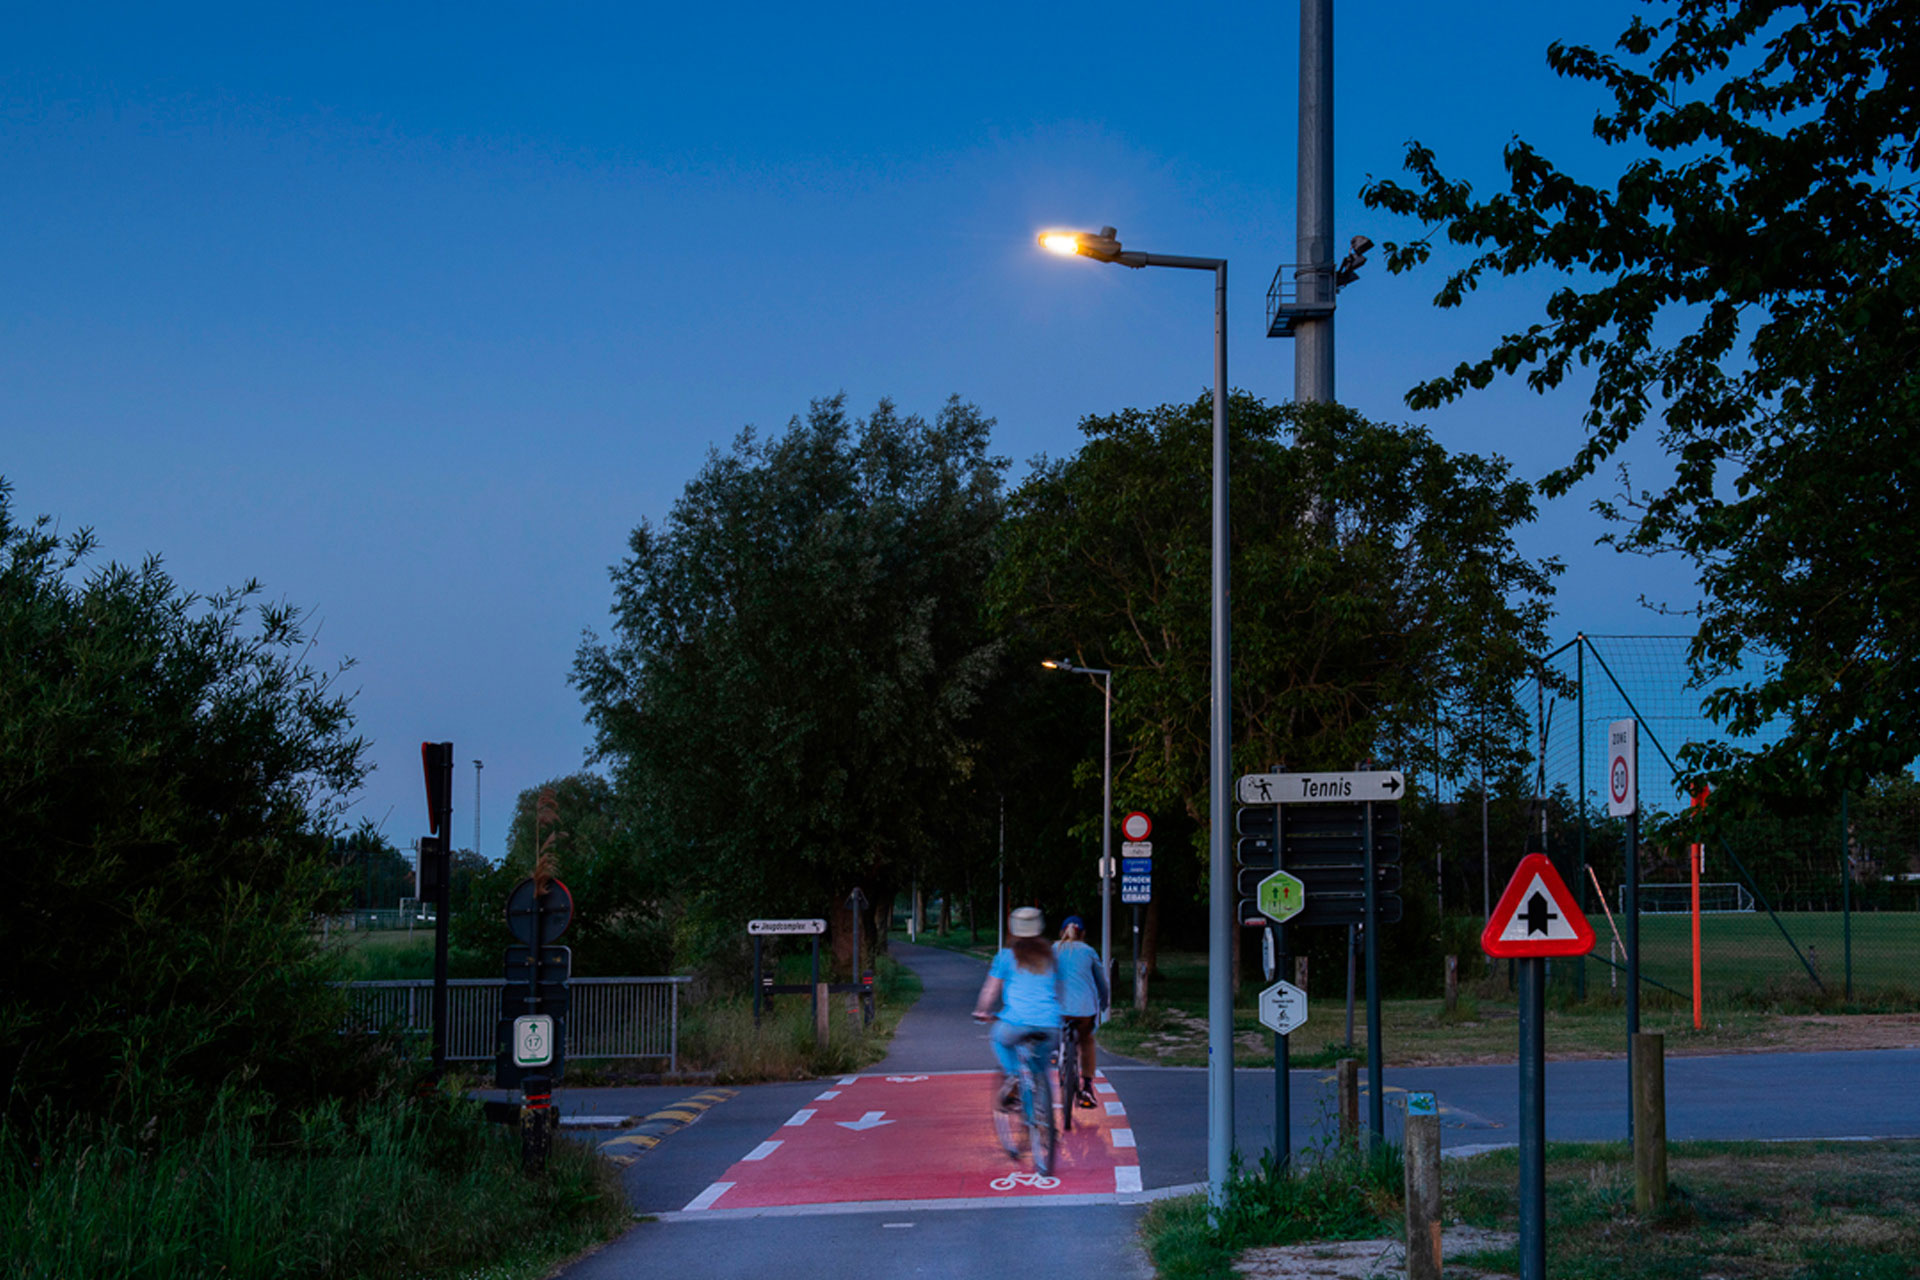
414	1187
719	1035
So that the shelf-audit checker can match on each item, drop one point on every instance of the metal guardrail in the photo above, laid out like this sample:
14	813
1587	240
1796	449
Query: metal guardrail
609	1018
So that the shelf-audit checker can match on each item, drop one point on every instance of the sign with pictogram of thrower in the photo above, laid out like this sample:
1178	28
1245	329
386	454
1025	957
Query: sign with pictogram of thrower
1536	915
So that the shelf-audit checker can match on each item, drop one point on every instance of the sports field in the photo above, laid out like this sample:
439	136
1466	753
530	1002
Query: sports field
1744	951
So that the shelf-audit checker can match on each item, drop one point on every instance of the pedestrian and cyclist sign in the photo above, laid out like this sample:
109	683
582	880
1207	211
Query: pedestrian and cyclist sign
1536	915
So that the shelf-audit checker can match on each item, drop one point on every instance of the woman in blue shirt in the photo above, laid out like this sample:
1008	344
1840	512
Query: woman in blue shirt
1024	984
1083	996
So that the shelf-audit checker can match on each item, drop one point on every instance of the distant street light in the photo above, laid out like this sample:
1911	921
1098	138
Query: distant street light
1104	246
1106	808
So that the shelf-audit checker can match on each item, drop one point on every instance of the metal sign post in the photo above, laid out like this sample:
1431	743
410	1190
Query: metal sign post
1623	801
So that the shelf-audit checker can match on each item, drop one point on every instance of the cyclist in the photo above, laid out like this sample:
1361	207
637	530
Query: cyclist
1083	995
1024	986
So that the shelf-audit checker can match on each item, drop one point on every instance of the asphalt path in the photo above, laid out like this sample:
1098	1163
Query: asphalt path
1774	1096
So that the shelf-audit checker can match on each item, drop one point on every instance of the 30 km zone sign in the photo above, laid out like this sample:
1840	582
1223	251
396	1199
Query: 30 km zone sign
1623	760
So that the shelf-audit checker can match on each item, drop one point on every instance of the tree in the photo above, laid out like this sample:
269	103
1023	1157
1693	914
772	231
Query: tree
371	871
169	768
786	703
1375	584
1748	278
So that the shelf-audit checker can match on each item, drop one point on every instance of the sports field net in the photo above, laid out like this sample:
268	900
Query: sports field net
1817	902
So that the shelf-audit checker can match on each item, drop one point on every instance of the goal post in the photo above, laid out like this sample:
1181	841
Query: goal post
1723	897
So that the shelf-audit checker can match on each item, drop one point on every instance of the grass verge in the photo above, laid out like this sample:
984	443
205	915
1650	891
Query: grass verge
1797	1211
720	1036
408	1187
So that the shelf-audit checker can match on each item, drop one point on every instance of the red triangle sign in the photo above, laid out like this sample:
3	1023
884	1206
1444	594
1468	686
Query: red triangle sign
1536	916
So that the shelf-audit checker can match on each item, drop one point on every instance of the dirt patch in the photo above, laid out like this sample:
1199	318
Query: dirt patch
1361	1259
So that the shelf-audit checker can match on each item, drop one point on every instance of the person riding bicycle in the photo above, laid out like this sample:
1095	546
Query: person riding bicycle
1024	986
1083	995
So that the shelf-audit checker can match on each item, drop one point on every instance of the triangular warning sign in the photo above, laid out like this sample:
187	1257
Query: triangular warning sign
1536	916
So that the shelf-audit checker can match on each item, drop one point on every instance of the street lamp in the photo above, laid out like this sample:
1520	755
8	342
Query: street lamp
1106	808
1104	246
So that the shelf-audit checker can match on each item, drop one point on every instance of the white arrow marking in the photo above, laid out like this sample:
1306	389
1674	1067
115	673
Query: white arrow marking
871	1120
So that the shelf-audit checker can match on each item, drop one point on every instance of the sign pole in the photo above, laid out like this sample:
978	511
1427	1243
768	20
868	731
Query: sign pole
1533	1120
1376	1085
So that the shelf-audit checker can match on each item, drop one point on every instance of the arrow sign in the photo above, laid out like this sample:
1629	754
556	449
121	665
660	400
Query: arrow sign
871	1120
1536	915
1320	788
1283	1007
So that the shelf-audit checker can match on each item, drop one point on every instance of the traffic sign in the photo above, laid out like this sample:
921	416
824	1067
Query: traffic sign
1320	788
1283	1007
1323	880
1136	848
1136	826
1136	881
1281	897
1623	761
786	926
1536	916
553	910
532	1040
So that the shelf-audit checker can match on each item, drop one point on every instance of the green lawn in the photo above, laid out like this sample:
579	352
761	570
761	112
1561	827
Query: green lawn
1744	951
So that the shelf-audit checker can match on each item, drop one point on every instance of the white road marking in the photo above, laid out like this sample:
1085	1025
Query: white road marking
828	1096
1116	1108
706	1198
895	1225
848	1079
801	1116
1126	1177
871	1120
1122	1137
767	1148
1101	1086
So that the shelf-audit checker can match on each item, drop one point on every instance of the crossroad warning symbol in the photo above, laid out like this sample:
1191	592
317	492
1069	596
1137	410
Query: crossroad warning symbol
1536	916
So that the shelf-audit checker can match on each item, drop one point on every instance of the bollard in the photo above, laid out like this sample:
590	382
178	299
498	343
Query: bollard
1453	983
1649	1122
1423	1187
1347	1072
538	1119
822	1015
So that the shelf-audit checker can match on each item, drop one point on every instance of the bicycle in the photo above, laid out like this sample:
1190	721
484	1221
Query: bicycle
1034	1105
1069	1072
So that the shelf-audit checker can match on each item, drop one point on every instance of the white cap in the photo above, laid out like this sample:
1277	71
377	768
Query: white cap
1026	922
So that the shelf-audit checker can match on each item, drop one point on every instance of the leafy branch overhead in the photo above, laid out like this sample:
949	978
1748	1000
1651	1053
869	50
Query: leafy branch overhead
1746	280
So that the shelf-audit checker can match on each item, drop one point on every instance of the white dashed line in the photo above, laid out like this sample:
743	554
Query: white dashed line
848	1079
1101	1086
1122	1137
1126	1177
828	1096
706	1198
801	1116
766	1149
1116	1108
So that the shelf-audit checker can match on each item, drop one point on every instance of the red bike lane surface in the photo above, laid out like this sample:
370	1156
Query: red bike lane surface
921	1137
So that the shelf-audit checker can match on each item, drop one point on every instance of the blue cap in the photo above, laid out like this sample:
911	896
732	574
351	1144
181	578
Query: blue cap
1073	922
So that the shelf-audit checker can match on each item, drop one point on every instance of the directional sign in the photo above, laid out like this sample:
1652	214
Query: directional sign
1536	916
1623	759
786	926
532	1040
1320	788
1283	1007
1323	880
1281	897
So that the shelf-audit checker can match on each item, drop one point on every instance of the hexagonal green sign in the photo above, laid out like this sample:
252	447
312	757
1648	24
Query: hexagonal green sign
1281	897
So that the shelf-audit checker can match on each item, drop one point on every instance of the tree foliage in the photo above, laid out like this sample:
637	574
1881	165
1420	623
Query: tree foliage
797	655
167	764
1375	584
1748	281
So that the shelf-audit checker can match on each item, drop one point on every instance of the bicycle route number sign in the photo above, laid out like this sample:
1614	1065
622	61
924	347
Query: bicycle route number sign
532	1040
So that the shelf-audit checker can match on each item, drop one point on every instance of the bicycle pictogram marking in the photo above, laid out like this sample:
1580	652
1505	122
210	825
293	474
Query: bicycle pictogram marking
1008	1181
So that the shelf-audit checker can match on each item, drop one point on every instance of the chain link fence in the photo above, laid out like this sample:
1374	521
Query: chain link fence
1818	904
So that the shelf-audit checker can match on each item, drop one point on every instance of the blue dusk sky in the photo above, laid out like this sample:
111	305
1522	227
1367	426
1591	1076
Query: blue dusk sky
413	312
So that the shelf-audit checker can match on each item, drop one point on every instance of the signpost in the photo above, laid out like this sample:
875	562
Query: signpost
765	928
1321	849
1536	917
436	762
1623	801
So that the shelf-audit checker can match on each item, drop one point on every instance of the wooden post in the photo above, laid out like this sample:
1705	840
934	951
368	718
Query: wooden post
1347	1071
1453	983
822	1015
1423	1196
1649	1122
1300	972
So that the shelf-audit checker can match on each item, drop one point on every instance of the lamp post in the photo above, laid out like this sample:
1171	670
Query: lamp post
1105	247
1106	808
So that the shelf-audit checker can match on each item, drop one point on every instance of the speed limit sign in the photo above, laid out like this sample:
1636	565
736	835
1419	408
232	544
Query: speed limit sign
1623	755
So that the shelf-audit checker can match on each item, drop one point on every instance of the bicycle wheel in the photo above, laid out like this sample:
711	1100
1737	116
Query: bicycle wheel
1004	1127
1040	1127
1069	1074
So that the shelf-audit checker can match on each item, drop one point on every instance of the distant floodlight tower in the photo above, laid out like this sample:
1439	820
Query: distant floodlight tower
478	765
